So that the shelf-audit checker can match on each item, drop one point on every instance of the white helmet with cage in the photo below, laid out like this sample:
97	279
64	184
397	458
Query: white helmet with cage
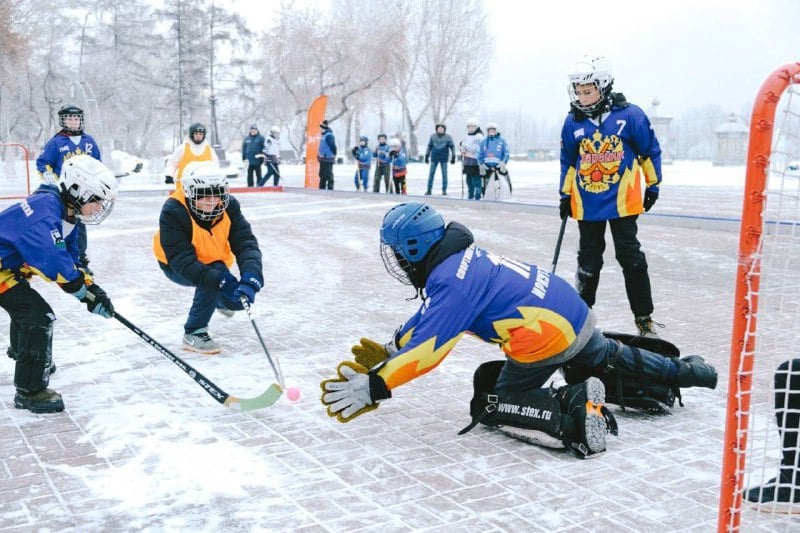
85	180
275	131
394	142
206	190
472	121
594	70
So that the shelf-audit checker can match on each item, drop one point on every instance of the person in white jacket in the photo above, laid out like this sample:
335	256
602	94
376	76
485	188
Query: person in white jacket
195	147
469	146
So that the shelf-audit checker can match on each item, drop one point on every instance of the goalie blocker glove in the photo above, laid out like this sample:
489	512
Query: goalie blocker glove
572	417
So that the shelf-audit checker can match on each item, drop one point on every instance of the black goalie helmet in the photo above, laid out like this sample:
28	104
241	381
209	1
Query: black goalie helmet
70	127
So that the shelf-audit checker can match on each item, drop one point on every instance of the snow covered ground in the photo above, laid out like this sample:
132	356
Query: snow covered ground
141	446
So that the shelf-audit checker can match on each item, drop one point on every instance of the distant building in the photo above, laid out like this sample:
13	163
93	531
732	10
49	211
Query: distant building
731	142
661	125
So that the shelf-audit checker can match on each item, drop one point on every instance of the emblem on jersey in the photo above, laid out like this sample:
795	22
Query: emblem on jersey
600	160
58	240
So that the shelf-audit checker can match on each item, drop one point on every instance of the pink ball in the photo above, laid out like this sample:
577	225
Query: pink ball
293	393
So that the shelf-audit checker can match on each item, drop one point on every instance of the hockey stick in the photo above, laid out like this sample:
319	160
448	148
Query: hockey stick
558	244
265	399
274	363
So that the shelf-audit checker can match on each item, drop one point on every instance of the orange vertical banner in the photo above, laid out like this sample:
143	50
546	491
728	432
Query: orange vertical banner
316	114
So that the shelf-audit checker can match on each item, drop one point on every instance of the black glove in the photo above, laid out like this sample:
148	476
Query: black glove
355	152
650	197
565	207
427	158
169	179
452	160
98	303
393	153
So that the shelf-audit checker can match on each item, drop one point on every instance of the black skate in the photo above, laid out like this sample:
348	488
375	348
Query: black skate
584	402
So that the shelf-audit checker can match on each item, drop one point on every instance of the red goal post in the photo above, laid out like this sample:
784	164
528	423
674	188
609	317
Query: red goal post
766	310
15	171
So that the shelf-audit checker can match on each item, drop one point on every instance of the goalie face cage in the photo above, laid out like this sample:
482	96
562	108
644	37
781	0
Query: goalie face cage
766	306
15	171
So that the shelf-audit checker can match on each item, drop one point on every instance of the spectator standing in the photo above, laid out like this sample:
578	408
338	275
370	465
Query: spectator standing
493	156
363	157
470	146
326	156
399	160
253	155
272	156
383	165
440	149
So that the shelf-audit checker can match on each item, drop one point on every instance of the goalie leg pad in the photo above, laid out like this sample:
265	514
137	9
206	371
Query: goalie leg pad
624	375
572	417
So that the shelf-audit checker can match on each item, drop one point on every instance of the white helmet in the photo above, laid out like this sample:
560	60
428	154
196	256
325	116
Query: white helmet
85	180
472	121
206	181
491	126
595	70
395	142
275	130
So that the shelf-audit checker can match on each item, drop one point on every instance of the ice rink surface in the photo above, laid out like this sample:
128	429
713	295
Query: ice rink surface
142	447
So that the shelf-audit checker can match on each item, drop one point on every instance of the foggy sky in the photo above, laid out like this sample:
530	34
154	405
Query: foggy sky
685	52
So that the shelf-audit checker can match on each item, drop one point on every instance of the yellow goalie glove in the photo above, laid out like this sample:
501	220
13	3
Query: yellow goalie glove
353	392
369	353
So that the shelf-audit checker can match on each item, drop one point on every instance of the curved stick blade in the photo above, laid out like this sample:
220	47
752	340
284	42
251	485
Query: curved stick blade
265	399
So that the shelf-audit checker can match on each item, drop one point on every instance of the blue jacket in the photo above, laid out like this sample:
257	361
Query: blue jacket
399	163
382	153
364	157
35	238
251	146
440	147
602	165
493	151
535	317
60	148
327	147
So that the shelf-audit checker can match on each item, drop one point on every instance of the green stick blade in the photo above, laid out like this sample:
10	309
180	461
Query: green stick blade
265	399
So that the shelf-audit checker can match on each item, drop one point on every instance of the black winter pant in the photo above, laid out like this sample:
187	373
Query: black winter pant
787	415
382	170
30	335
254	169
325	175
629	255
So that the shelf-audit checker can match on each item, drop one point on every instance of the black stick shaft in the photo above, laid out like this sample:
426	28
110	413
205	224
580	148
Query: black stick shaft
275	368
213	391
558	244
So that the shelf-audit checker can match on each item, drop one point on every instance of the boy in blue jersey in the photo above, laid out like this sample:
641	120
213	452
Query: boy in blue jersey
326	156
68	142
37	236
607	146
536	318
383	165
363	156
